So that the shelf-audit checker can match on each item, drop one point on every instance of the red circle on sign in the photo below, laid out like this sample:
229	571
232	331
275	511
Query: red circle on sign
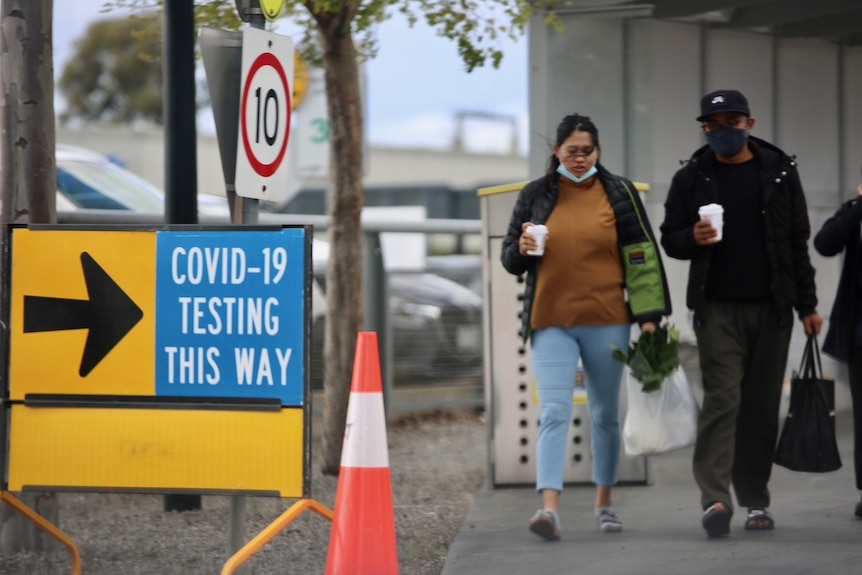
266	59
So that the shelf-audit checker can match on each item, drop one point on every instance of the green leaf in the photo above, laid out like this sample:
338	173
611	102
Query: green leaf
652	358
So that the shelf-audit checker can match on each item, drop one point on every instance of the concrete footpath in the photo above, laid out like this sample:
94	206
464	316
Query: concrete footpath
815	529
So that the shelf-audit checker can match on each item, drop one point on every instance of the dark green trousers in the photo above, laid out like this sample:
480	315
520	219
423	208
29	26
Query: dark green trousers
743	357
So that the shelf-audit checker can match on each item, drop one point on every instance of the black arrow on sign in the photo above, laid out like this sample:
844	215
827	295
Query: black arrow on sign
109	314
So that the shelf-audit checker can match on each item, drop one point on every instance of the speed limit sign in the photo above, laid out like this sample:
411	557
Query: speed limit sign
264	115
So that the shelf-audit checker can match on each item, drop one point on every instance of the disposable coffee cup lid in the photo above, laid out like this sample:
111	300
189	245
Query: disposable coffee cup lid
710	208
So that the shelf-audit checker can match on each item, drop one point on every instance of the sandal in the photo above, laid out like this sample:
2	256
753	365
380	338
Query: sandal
716	519
759	520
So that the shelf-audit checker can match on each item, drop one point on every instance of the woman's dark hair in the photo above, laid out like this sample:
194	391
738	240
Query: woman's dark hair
569	125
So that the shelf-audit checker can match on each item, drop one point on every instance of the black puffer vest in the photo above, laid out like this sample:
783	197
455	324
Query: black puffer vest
535	203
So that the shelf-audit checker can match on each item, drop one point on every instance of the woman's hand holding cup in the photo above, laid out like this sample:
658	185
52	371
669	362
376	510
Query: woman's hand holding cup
533	238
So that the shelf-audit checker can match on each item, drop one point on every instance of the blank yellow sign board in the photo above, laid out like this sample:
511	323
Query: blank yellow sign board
147	449
47	263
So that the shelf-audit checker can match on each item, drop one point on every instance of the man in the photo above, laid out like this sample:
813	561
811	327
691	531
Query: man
743	289
840	234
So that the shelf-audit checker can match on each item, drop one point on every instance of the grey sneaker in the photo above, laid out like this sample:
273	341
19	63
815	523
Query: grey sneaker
608	520
546	525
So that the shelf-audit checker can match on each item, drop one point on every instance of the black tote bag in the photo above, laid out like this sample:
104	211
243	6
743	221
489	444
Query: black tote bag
807	441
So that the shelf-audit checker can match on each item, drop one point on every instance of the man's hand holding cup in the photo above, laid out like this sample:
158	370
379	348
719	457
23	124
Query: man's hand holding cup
708	230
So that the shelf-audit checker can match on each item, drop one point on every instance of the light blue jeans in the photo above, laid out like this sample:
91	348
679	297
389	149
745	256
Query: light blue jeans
555	352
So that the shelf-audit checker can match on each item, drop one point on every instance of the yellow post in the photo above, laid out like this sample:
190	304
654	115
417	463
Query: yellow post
52	530
273	529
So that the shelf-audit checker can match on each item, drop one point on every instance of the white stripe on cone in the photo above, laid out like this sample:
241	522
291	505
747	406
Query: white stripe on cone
365	432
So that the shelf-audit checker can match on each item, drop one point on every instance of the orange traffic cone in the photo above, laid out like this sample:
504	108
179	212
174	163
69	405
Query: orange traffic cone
362	541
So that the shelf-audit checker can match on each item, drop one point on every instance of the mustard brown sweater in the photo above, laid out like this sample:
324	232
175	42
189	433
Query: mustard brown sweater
582	279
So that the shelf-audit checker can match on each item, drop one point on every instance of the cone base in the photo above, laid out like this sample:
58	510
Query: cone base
362	541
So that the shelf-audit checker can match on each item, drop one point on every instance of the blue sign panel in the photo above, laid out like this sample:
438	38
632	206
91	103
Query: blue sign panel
230	314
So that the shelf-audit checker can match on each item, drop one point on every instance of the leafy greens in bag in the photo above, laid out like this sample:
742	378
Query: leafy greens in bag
653	357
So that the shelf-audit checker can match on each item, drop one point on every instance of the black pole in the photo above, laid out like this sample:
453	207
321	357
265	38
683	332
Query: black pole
181	186
179	108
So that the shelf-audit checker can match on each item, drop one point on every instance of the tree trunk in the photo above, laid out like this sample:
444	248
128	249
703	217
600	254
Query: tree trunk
28	187
344	272
28	169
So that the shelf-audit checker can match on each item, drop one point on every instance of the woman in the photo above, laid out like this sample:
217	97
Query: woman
843	340
600	270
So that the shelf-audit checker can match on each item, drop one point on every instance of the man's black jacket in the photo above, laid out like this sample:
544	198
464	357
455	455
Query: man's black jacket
784	217
838	233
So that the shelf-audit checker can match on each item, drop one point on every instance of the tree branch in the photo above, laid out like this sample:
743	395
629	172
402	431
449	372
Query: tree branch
323	18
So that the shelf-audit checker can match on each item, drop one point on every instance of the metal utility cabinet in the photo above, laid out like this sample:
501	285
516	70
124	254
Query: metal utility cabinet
512	406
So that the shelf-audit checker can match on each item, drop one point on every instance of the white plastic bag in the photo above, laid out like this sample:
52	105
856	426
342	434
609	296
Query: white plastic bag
661	420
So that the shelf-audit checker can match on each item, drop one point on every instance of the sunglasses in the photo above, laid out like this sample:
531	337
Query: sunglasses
580	152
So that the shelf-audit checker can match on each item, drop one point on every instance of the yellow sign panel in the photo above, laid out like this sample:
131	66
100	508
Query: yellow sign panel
57	276
300	80
148	449
271	9
82	324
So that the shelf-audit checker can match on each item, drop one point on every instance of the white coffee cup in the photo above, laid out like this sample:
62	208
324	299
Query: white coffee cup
539	232
715	214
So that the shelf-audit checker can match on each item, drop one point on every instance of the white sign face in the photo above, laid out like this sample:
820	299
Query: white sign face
264	115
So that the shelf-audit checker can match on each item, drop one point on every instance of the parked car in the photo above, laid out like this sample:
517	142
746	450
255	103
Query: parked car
435	325
89	180
465	269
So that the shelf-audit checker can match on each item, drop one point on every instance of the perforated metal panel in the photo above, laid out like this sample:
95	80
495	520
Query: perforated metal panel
513	409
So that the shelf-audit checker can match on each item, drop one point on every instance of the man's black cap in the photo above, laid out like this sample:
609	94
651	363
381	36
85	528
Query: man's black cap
723	101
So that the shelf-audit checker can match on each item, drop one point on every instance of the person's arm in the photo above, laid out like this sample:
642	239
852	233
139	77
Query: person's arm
677	230
513	261
840	229
639	206
803	271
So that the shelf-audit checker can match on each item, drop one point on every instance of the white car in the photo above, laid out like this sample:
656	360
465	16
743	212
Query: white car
89	180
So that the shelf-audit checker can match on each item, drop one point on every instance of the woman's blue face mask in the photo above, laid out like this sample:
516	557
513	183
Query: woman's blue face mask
726	141
561	169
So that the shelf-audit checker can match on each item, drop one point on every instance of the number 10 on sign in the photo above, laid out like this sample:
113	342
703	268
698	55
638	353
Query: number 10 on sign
264	115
